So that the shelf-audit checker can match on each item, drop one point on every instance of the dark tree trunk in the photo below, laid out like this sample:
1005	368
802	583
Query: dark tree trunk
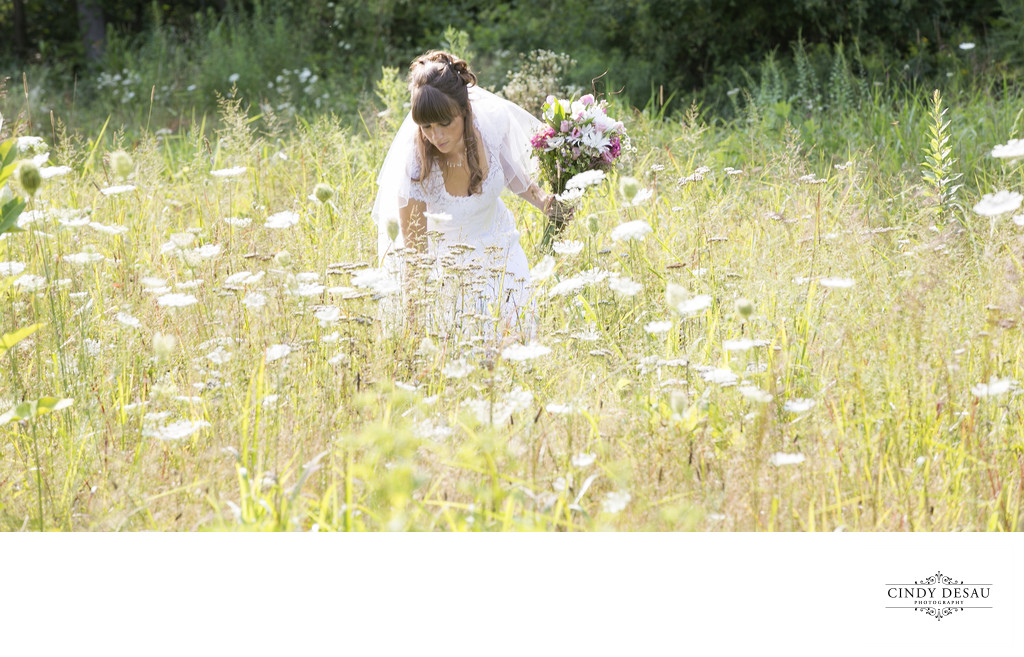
20	35
92	27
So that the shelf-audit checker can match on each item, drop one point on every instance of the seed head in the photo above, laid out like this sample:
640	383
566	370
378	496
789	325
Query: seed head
283	258
392	230
163	345
744	307
593	224
629	187
323	192
120	163
29	177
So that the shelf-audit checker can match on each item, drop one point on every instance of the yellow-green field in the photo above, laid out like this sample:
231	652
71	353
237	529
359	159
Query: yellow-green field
226	374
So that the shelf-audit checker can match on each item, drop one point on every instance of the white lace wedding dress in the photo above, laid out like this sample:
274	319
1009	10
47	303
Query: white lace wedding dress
474	278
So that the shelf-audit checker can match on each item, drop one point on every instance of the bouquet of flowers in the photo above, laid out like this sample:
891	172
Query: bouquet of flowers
578	137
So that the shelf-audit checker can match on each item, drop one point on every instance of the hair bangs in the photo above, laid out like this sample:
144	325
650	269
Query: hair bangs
430	105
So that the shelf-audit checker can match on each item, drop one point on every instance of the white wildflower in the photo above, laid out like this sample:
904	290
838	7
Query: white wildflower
578	282
543	269
520	352
993	388
558	409
254	300
631	230
624	287
128	320
658	327
570	195
586	179
176	430
837	283
616	501
568	247
993	205
798	405
781	458
1011	150
457	369
233	172
219	356
285	219
176	300
753	393
743	344
206	251
327	314
277	351
967	45
583	459
720	376
114	190
54	172
11	268
30	282
238	222
244	278
694	306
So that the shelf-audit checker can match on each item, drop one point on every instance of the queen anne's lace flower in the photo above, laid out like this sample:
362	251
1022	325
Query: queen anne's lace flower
631	230
993	205
780	458
1012	149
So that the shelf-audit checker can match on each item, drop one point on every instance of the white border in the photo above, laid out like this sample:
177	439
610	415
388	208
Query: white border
559	594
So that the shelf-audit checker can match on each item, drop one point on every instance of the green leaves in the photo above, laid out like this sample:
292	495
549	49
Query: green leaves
9	216
11	210
8	340
8	155
33	409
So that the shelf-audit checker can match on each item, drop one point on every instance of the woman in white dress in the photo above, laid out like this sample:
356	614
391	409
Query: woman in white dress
444	233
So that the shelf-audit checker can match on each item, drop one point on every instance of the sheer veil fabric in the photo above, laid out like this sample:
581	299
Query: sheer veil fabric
479	223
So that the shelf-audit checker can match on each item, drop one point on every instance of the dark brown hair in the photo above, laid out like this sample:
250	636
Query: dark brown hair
439	91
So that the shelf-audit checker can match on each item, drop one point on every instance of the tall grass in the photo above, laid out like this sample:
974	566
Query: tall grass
875	326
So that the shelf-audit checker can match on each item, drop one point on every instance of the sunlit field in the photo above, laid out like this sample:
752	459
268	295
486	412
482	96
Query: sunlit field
782	323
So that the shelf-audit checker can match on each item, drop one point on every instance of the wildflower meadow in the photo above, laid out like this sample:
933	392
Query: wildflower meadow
790	320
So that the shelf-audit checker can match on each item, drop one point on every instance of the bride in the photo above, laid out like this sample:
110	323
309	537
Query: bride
443	231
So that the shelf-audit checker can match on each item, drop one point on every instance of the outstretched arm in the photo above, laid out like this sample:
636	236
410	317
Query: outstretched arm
413	224
537	198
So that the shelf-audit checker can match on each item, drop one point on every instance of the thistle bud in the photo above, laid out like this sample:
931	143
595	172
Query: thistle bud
392	230
29	177
593	224
283	258
323	192
629	187
120	163
744	307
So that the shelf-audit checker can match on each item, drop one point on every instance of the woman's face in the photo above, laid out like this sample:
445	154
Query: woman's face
446	137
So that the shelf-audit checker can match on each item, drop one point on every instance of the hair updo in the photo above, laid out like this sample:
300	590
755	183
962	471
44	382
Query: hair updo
439	92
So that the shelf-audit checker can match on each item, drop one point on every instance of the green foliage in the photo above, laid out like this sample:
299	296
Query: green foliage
539	74
938	162
11	209
8	340
185	51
